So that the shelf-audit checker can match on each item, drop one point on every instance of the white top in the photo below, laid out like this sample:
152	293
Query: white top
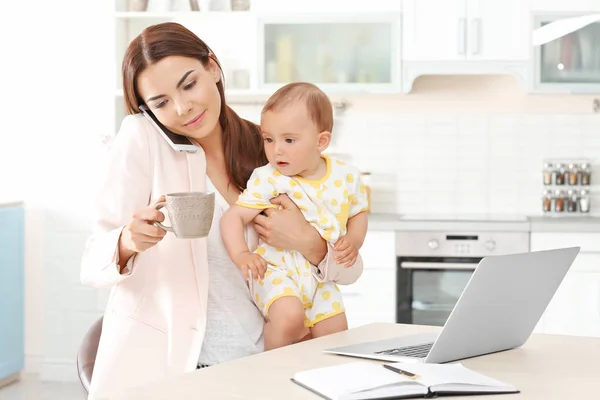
234	326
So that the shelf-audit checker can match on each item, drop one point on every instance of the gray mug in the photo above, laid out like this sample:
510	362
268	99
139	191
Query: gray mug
190	213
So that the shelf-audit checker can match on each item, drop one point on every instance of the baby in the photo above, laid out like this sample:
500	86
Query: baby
296	125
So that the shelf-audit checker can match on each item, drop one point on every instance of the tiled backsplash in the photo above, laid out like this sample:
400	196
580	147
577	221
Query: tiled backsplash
462	163
464	144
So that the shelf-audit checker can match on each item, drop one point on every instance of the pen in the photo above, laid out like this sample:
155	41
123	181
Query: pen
409	375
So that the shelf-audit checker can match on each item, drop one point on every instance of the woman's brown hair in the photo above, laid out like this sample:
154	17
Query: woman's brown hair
242	142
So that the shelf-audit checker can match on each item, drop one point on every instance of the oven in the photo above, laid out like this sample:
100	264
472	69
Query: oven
433	268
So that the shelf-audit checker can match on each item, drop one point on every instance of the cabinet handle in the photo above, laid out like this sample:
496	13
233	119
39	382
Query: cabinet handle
461	35
475	36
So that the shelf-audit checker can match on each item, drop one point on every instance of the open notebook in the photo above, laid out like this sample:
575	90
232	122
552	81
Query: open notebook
365	380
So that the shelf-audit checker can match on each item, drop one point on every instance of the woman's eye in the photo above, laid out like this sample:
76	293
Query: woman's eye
189	85
268	140
160	105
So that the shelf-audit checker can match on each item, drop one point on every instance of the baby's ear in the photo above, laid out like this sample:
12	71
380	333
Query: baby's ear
323	140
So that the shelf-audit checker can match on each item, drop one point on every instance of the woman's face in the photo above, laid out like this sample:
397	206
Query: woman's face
183	95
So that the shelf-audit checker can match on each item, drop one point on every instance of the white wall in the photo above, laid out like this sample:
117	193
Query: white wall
54	99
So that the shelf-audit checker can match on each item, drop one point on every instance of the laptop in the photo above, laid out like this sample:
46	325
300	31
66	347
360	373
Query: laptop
498	310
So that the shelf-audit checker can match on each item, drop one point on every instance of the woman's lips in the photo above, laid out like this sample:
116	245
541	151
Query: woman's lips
196	121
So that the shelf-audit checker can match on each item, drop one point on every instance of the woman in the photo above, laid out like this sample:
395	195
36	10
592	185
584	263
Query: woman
175	303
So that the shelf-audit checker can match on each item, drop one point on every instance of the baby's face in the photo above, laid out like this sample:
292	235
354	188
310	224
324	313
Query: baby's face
291	140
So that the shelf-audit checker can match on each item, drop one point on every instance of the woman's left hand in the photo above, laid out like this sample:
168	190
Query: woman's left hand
285	228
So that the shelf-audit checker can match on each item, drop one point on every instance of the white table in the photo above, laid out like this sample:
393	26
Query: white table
547	367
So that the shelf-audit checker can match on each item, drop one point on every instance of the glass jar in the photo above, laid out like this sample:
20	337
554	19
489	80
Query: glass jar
559	177
547	201
573	174
571	201
547	174
584	201
586	174
559	201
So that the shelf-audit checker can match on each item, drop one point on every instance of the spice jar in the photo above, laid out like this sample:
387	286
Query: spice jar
559	201
547	174
559	175
584	202
547	201
586	174
573	174
571	201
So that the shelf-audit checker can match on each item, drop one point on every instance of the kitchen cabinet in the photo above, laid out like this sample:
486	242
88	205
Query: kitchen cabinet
575	307
12	237
570	64
465	37
339	52
465	30
372	298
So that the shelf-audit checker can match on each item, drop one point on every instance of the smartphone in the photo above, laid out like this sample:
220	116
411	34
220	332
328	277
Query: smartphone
176	141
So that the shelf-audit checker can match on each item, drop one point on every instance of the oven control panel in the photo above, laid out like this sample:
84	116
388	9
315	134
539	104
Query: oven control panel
432	244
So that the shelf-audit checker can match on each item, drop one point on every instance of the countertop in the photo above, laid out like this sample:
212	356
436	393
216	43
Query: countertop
395	222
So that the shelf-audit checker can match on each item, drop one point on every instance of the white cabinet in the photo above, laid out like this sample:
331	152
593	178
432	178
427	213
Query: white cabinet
575	308
498	30
433	30
373	297
570	64
339	52
465	30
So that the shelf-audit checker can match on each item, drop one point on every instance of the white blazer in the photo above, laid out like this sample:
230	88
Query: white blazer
155	319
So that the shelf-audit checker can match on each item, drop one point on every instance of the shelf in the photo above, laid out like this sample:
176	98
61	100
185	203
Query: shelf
177	15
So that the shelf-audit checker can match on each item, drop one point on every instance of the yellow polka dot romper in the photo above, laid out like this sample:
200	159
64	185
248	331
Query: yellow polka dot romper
327	204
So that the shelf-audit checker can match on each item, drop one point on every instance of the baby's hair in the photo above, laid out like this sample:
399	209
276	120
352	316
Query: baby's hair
316	101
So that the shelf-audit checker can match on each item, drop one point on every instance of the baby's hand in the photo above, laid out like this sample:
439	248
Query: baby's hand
347	252
251	262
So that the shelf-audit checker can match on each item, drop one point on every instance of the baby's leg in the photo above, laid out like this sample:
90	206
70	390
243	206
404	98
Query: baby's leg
285	322
337	323
327	314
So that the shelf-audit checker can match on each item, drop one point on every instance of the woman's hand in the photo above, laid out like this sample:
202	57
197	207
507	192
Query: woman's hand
140	233
288	229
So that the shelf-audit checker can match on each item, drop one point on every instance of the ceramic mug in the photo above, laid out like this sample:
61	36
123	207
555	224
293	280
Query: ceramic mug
190	213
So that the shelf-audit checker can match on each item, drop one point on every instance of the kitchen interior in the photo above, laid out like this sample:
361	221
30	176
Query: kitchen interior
472	141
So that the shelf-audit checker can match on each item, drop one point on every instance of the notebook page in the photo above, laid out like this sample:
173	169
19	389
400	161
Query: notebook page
435	375
393	391
338	380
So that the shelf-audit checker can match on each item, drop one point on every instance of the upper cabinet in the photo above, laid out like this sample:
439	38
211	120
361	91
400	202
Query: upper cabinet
465	37
433	30
498	30
568	64
465	30
339	52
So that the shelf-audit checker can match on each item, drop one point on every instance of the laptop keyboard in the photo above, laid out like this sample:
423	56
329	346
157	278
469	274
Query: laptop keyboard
419	351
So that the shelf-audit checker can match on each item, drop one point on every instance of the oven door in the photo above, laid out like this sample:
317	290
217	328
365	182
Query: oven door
428	288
